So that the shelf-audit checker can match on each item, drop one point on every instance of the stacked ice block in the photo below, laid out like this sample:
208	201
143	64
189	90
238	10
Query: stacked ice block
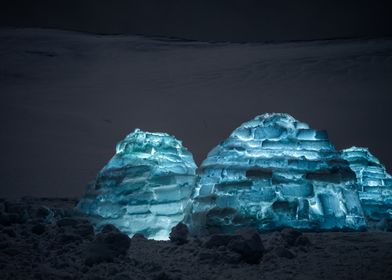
272	172
374	183
146	186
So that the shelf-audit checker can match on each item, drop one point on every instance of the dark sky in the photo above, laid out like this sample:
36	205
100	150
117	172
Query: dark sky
66	98
208	20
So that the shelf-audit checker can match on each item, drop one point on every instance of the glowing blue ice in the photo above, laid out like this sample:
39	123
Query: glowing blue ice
272	172
146	186
374	183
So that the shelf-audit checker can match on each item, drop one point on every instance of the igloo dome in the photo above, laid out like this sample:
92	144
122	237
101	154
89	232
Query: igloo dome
273	172
145	188
373	181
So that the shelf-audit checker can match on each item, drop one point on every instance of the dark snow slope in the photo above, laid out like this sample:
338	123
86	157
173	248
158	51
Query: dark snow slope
66	98
207	20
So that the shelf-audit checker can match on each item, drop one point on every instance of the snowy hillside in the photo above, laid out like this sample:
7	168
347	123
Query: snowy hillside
66	98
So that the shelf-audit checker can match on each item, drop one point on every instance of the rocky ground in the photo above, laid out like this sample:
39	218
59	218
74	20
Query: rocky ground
42	239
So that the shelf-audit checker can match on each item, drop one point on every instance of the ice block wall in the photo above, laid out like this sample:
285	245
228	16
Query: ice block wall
145	188
374	183
273	172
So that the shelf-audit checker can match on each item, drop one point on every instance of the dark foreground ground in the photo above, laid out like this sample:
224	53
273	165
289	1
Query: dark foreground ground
39	239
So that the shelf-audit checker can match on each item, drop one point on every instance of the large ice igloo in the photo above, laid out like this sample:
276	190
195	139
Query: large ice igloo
272	172
145	188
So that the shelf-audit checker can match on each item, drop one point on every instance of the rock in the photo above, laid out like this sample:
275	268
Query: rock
18	211
14	207
59	213
219	255
383	224
150	267
273	240
197	241
248	244
302	241
12	251
206	256
67	222
16	218
139	236
117	241
11	218
179	234
217	240
85	230
75	229
4	220
5	242
284	253
98	255
231	257
95	277
10	232
3	237
269	257
122	276
290	236
106	246
109	228
38	229
44	213
161	276
69	238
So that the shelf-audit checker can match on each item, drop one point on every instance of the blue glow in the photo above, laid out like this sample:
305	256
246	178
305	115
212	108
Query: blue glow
374	183
146	186
271	172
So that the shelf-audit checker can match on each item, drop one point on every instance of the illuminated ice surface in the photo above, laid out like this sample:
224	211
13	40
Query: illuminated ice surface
272	172
146	186
374	183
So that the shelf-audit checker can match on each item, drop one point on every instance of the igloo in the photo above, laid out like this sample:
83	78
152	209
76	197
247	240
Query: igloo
274	172
271	172
145	188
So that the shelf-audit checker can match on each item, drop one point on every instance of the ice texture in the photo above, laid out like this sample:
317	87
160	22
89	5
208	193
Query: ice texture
145	188
272	172
374	183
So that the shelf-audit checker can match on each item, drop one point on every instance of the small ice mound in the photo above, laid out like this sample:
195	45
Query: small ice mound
374	183
145	188
273	172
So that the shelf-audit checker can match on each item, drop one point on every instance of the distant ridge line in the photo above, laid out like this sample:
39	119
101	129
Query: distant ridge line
185	40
